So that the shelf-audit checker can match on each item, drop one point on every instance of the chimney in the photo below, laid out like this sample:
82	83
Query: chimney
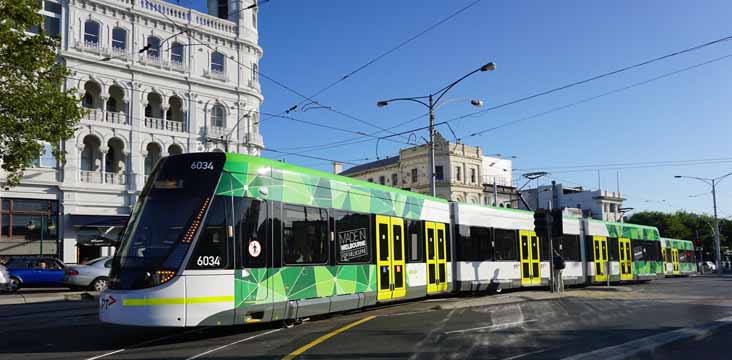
337	167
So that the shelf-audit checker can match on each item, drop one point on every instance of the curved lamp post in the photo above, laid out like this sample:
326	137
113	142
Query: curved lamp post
713	183
432	103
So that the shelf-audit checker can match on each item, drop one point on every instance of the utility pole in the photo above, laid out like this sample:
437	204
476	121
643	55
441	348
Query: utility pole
432	104
713	183
433	186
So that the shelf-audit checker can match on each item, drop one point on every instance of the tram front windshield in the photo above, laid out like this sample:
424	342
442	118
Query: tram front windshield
158	236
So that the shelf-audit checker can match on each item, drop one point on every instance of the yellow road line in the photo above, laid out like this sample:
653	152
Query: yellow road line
327	336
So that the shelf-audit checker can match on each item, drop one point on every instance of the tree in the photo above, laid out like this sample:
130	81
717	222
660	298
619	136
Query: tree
34	108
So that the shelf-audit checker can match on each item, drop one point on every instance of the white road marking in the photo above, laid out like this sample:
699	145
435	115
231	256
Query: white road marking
407	313
231	344
525	354
107	354
649	343
495	326
146	342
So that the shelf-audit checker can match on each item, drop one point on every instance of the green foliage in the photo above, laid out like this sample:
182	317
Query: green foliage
685	225
33	106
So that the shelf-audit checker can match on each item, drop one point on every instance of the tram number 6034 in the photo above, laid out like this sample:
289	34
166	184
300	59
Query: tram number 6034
208	261
202	165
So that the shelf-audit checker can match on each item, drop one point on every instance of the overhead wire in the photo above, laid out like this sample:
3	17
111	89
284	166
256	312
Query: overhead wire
600	76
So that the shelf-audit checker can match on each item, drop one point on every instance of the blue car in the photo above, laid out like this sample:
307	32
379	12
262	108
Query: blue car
34	271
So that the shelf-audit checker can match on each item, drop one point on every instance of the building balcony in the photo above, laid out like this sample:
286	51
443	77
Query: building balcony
98	177
218	132
159	62
217	75
160	124
108	117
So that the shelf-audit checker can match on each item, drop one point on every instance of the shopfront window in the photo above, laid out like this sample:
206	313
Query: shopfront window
29	227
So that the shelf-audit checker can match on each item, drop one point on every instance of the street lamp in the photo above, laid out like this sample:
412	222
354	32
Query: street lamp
433	101
713	183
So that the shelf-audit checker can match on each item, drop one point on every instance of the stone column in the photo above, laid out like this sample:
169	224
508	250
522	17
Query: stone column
104	165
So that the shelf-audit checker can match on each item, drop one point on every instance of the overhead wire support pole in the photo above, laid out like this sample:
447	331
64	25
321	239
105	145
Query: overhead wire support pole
432	104
713	182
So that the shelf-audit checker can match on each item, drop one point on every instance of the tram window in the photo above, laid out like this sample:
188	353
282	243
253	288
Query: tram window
590	248
415	242
213	247
304	235
505	242
352	237
253	227
613	250
682	256
544	246
474	243
448	245
571	247
644	250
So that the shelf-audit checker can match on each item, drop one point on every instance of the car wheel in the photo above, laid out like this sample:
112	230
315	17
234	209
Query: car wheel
13	285
99	284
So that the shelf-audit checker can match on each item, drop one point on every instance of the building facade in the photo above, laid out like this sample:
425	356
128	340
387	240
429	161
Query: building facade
599	204
462	173
157	79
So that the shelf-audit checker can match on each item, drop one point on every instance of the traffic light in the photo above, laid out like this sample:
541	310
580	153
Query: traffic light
557	226
540	222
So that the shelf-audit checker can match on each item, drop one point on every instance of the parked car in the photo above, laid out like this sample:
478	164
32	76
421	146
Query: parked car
93	275
709	266
4	278
34	271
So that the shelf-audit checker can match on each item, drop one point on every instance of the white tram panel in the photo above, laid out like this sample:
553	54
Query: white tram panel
483	275
210	297
573	272
162	305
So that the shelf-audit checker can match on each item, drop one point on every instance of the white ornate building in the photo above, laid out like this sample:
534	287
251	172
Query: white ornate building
157	79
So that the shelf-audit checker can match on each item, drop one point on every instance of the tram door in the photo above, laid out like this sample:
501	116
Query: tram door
530	264
436	248
675	260
601	264
626	264
390	257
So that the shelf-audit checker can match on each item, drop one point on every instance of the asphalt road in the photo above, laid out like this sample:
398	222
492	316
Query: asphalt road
585	323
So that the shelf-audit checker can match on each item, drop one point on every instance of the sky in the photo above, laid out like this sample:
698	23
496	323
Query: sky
536	47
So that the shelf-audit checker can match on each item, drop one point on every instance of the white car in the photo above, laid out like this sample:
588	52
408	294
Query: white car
4	279
93	275
709	266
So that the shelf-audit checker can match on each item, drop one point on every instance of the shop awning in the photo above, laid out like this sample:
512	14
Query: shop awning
97	241
99	220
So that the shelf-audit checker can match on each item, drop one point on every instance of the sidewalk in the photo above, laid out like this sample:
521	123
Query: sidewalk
29	298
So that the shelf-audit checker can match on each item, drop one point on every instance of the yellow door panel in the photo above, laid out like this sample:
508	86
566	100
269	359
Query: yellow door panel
429	237
626	265
535	259
600	252
525	256
398	263
383	259
441	260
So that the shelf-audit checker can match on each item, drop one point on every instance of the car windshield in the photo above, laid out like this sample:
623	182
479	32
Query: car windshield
179	189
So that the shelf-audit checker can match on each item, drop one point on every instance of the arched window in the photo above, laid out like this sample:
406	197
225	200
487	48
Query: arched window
254	18
217	62
148	111
217	116
154	47
176	53
119	39
255	71
87	101
91	33
111	105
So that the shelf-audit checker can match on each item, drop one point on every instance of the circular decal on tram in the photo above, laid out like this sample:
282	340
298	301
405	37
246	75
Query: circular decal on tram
255	248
